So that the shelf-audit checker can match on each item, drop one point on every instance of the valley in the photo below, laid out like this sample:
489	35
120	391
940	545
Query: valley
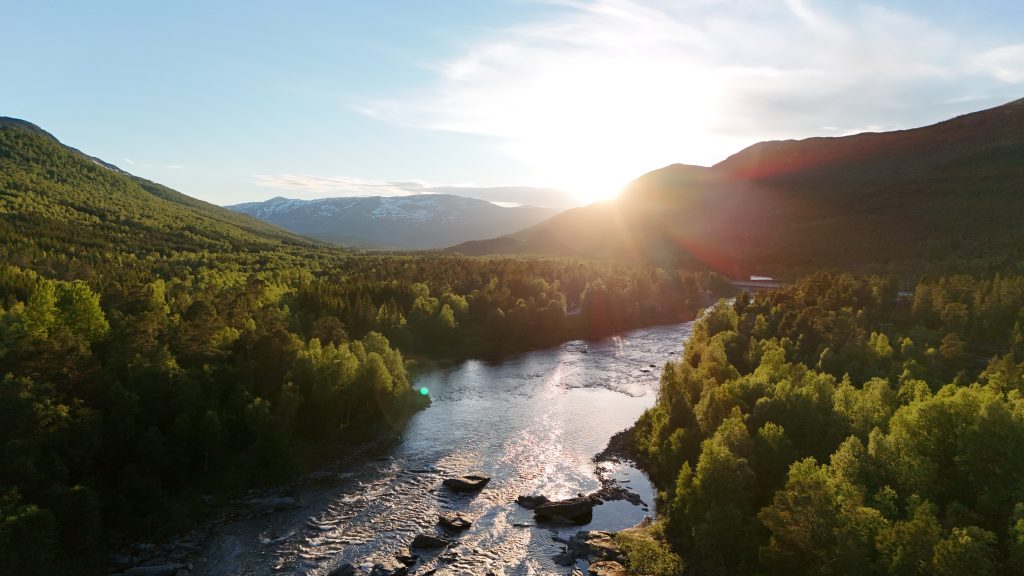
161	356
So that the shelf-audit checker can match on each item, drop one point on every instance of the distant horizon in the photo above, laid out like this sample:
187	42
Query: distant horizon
409	195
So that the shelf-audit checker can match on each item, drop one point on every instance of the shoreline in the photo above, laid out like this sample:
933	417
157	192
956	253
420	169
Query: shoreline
620	448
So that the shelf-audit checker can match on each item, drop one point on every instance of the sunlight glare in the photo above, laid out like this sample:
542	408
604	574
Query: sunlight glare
593	128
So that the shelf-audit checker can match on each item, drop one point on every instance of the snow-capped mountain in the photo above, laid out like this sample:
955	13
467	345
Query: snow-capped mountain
417	222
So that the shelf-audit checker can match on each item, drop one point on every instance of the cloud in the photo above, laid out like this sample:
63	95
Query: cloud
339	185
306	186
603	90
1005	63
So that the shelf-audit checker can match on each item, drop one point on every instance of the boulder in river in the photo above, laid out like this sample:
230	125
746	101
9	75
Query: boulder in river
407	559
597	545
428	541
613	490
577	510
590	545
454	521
564	558
392	569
467	483
531	502
607	568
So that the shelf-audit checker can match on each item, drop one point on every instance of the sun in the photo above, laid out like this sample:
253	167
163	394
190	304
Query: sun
592	174
596	190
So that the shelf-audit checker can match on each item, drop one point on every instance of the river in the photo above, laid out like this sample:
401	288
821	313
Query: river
532	422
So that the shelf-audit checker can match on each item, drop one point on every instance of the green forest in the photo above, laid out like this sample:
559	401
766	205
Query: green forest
840	426
155	349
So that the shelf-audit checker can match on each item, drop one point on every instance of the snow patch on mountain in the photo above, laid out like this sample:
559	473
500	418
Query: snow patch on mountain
417	221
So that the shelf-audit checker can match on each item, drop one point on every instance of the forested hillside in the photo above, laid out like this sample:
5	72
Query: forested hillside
840	427
69	213
155	348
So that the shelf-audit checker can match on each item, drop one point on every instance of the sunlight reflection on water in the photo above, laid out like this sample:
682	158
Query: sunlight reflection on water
532	423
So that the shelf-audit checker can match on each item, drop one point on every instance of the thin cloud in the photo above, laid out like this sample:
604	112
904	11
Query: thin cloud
339	185
1005	63
612	88
815	21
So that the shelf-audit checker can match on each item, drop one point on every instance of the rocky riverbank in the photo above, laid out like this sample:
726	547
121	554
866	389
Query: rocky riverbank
176	557
619	448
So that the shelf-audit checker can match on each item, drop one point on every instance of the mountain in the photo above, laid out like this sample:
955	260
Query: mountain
950	194
62	208
419	221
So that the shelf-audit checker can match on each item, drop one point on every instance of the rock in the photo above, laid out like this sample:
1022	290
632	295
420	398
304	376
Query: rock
590	545
531	502
607	568
467	483
345	569
564	558
577	510
454	521
613	491
407	559
170	569
393	570
450	556
428	541
598	545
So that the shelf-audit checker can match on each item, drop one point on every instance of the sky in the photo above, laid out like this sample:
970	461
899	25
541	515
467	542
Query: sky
236	101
